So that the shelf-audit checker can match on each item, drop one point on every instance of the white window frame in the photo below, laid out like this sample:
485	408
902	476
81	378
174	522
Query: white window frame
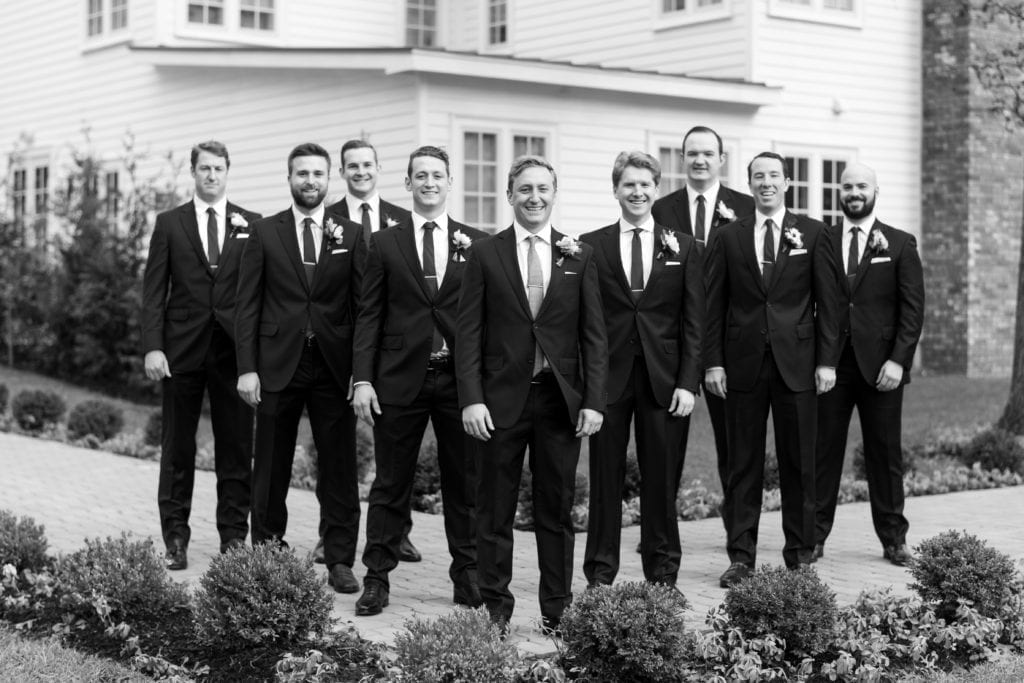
816	11
735	170
35	225
438	15
692	14
815	175
107	35
231	30
485	39
257	8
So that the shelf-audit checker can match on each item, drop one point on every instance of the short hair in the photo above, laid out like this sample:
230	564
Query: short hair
520	164
429	151
309	149
214	147
704	129
357	143
636	160
768	155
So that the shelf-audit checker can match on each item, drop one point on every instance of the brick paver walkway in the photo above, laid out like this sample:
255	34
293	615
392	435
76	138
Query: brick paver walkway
78	493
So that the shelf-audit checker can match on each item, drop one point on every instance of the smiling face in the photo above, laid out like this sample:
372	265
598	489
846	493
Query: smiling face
429	183
308	177
210	174
858	190
636	193
359	168
533	197
702	159
768	184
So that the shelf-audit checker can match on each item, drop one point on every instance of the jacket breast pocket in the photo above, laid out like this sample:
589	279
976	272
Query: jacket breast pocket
268	329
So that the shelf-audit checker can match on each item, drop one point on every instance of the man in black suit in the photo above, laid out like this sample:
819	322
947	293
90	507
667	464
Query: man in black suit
531	358
701	209
403	376
881	305
188	308
652	289
298	286
771	338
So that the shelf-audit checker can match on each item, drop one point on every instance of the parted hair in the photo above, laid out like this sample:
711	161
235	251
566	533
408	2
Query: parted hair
357	143
636	160
308	149
429	151
768	155
214	147
704	129
520	164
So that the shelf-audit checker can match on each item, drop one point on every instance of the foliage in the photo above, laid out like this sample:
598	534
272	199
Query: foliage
461	646
954	567
98	418
995	449
5	394
626	632
22	542
771	470
697	501
260	596
631	482
35	409
153	432
524	520
427	477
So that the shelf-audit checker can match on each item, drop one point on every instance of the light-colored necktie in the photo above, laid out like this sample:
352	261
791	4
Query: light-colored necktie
535	293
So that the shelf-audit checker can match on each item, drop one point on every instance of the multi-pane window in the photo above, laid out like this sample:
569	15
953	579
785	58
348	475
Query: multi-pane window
798	196
480	173
19	195
118	14
528	144
814	186
206	12
42	189
673	177
421	23
105	16
111	196
683	5
257	14
94	18
831	171
842	12
497	22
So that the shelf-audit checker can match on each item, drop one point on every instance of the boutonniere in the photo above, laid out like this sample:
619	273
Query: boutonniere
333	231
389	222
725	212
793	237
238	224
569	246
669	246
460	243
877	242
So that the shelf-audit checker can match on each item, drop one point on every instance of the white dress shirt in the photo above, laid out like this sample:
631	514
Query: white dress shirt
710	196
440	242
543	247
355	209
865	224
318	223
759	221
626	246
220	208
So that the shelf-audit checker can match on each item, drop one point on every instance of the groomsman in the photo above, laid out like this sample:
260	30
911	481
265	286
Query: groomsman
652	289
188	308
771	321
403	373
531	358
300	277
701	209
881	306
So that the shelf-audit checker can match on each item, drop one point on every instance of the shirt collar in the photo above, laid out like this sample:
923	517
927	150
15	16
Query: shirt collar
710	194
864	224
777	217
647	226
355	205
317	215
220	206
522	233
441	221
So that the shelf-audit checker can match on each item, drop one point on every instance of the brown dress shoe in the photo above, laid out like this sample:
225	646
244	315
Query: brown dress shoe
342	580
177	555
897	554
373	600
407	551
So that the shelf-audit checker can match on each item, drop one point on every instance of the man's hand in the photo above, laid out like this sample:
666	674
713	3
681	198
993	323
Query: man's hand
249	388
364	402
714	381
682	403
824	378
890	376
476	420
588	422
156	365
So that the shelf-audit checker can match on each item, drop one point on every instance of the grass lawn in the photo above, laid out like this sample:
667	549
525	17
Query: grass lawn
27	659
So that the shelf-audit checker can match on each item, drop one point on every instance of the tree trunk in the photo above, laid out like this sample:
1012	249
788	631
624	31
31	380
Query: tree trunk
1012	419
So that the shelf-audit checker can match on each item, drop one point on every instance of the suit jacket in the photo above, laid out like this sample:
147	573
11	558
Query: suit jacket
275	301
389	213
673	210
882	311
494	343
795	314
398	314
666	321
182	296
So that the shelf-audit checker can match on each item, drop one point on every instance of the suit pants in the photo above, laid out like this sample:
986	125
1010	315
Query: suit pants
661	467
397	435
314	388
232	423
881	423
794	416
554	454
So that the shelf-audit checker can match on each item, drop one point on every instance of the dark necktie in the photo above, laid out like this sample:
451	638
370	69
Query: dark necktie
636	267
851	256
430	275
367	230
212	243
699	218
535	292
768	252
308	250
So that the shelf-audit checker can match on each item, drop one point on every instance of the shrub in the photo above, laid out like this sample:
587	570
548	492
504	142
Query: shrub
793	605
153	433
631	631
260	596
101	419
5	394
427	478
956	566
771	470
125	574
995	449
460	646
631	484
35	409
22	542
524	510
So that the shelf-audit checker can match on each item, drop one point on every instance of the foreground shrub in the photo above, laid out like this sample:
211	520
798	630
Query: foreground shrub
995	449
35	409
153	432
5	394
123	578
22	542
101	419
331	657
461	646
260	596
627	632
955	566
794	605
631	482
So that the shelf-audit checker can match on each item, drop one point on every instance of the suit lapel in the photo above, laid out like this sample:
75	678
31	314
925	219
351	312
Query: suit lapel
746	239
683	211
657	265
290	242
453	266
612	248
557	271
406	239
190	227
835	239
865	257
788	221
509	260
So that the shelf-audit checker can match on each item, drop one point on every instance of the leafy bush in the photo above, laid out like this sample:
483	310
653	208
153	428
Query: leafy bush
153	433
260	596
793	605
22	542
995	449
5	394
35	409
631	483
956	566
696	501
771	470
461	646
427	478
524	510
101	419
124	574
630	631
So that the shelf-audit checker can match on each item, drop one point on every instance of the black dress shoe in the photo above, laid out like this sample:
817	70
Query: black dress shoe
342	580
467	593
318	552
819	552
551	626
373	600
736	573
407	551
177	555
897	554
231	544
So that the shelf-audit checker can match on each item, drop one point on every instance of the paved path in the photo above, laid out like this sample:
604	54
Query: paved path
77	493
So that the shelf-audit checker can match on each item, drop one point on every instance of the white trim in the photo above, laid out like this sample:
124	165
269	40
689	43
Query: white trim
735	175
107	37
815	155
231	30
485	33
816	12
692	14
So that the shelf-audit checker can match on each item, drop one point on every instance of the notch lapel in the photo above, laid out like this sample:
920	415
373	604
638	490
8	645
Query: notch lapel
557	271
657	265
450	269
290	244
509	259
190	227
746	239
406	238
610	245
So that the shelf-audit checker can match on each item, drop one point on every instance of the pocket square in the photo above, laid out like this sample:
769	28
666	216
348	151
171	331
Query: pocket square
571	272
881	259
797	252
673	263
338	251
242	236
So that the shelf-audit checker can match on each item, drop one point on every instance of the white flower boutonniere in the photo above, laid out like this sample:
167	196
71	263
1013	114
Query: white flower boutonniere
389	222
333	231
669	245
725	212
877	242
794	238
569	246
238	223
460	243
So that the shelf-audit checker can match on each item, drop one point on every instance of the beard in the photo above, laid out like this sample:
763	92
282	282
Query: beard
865	210
302	201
